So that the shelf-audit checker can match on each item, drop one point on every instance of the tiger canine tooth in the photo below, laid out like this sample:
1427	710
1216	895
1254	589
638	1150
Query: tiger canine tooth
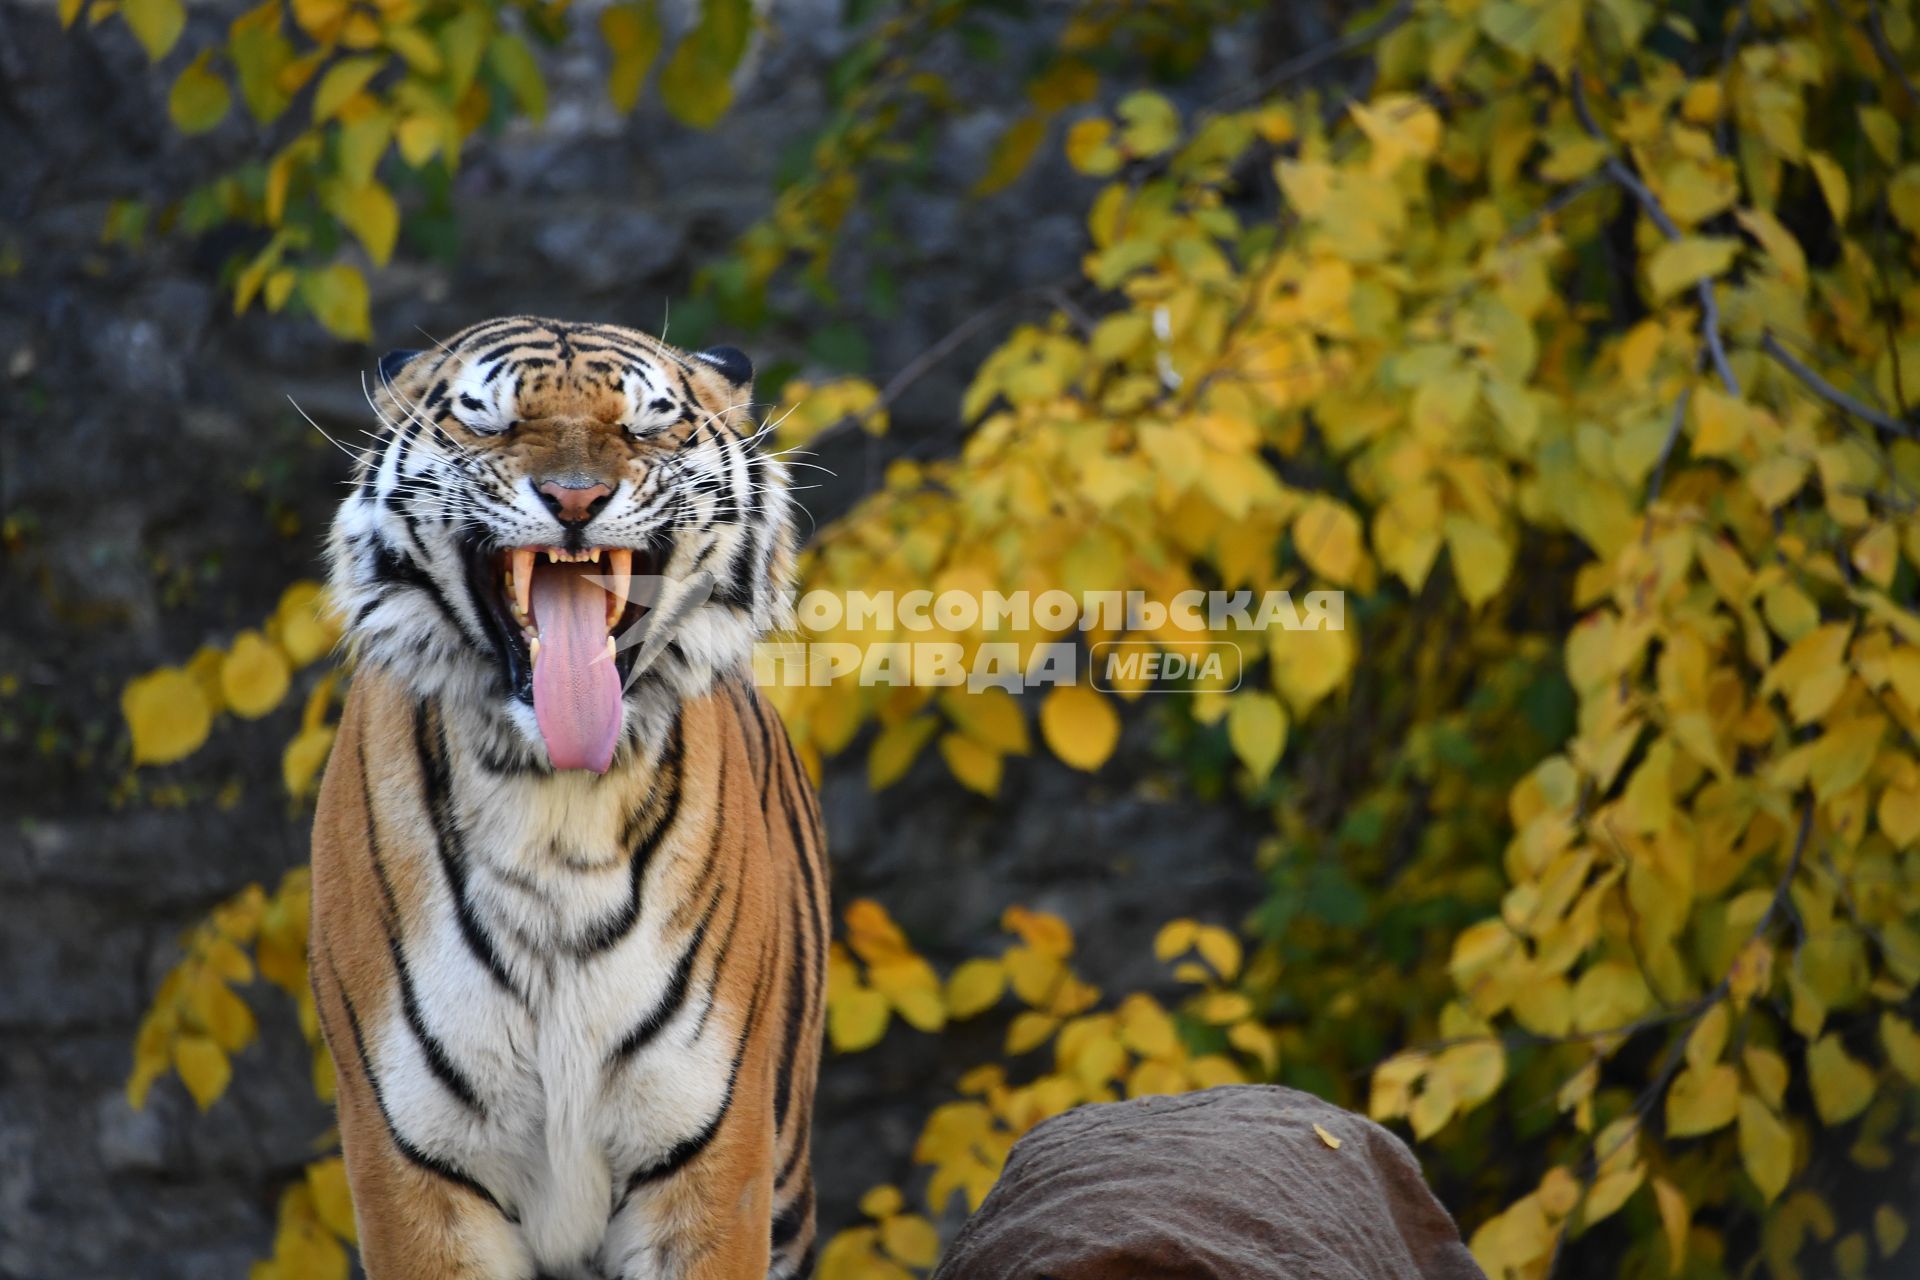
619	579
522	577
533	648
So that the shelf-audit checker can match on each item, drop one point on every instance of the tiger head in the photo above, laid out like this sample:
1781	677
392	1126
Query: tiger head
562	530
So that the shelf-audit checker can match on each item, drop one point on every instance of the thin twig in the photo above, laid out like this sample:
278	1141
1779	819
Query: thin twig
1659	475
1830	393
924	363
1883	48
1552	208
918	367
1623	173
1313	59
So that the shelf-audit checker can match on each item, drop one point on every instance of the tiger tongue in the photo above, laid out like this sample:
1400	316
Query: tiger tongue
576	688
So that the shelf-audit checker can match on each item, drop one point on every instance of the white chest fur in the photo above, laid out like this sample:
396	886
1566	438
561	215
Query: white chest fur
549	943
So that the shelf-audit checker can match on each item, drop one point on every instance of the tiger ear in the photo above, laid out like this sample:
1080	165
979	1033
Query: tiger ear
393	362
730	363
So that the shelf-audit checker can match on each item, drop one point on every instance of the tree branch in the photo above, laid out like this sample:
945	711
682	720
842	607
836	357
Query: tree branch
1876	34
1313	59
1830	393
1623	173
1666	448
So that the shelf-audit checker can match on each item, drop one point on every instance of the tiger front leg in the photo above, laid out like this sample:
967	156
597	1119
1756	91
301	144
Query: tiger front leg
413	1223
710	1220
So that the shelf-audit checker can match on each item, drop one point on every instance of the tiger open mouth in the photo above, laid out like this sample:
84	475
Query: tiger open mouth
557	615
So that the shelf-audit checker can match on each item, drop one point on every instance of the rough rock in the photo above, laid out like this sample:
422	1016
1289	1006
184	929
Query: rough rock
1233	1183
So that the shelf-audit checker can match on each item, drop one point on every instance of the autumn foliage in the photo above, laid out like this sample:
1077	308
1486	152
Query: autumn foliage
1578	344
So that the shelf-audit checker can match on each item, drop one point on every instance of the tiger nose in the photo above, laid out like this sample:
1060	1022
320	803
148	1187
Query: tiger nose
574	504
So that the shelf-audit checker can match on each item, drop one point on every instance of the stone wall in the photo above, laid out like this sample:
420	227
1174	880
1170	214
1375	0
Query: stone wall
160	489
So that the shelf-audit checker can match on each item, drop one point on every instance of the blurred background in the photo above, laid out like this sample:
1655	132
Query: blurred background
163	485
1375	261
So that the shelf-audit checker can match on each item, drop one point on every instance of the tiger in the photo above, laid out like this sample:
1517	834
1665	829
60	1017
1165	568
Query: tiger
569	889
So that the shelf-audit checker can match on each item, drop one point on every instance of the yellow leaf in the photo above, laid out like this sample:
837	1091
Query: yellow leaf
1219	949
1833	185
1327	536
1150	123
224	1015
419	50
199	99
337	296
1401	127
1766	1147
632	33
1432	1108
419	138
919	1006
893	751
911	1239
1899	811
304	756
1011	155
1482	558
1090	148
1220	1007
1676	1220
203	1067
372	215
1721	423
1475	1068
1679	264
1258	1041
1708	1037
974	987
1877	555
1902	1044
976	766
1151	1078
1702	1100
510	59
1842	1086
343	80
1781	248
882	1201
305	623
254	677
1146	1029
1257	730
1028	1031
167	715
857	1019
1889	1230
1812	672
1326	1137
1611	1190
156	24
332	1201
992	717
1033	974
1176	937
1080	726
1610	994
1883	131
1043	931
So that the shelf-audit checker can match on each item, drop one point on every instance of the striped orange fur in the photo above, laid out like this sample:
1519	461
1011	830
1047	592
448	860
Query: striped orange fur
575	1011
